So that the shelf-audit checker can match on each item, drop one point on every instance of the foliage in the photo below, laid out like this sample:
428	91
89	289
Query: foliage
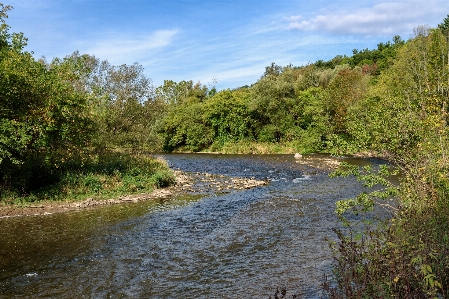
312	108
272	101
405	257
371	61
184	125
122	97
371	178
228	115
408	105
43	119
56	117
444	26
174	93
104	176
404	117
274	110
346	89
393	262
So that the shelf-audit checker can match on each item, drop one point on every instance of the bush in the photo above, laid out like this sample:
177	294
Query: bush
163	179
106	175
405	257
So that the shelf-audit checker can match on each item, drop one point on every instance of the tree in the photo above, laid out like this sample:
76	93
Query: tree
311	119
273	70
408	106
122	97
271	102
228	114
174	93
444	26
347	88
405	117
44	120
183	125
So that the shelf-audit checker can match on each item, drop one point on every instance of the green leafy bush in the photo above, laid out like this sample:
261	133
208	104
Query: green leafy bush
106	175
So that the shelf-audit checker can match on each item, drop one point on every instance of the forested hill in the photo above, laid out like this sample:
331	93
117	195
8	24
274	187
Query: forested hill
319	107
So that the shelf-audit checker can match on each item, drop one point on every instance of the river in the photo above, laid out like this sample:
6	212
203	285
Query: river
239	244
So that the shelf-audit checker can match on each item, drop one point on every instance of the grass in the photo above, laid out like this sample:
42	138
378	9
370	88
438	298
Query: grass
103	176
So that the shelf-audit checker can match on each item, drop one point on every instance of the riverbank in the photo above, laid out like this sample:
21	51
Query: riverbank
185	183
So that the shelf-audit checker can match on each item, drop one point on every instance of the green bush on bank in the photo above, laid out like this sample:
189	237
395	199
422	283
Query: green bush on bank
107	175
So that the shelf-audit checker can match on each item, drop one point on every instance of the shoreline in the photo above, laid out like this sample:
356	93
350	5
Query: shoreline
199	183
186	183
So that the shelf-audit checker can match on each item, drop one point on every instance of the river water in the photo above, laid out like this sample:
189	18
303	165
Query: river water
239	244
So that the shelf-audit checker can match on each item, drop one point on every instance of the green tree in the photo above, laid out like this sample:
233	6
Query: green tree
407	101
347	88
228	114
174	93
312	120
444	26
123	98
272	100
405	117
184	126
273	70
44	120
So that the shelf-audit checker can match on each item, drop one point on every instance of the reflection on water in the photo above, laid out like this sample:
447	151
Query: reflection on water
241	244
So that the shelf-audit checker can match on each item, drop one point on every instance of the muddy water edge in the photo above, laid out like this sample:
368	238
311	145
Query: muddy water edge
226	244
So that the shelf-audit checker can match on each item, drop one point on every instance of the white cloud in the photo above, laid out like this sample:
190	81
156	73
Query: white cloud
384	18
231	77
121	49
239	73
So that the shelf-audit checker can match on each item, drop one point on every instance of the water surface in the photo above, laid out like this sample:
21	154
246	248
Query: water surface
241	244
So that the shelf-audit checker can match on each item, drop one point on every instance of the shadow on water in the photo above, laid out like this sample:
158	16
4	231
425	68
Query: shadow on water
241	244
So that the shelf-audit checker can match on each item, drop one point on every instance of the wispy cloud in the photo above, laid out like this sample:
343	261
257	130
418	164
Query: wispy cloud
384	18
119	48
233	76
232	41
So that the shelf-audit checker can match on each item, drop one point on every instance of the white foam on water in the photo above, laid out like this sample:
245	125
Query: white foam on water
304	178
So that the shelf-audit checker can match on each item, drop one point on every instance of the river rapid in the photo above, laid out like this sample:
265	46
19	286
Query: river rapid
238	244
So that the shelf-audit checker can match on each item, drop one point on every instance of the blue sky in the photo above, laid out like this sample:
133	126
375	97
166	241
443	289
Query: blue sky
230	41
